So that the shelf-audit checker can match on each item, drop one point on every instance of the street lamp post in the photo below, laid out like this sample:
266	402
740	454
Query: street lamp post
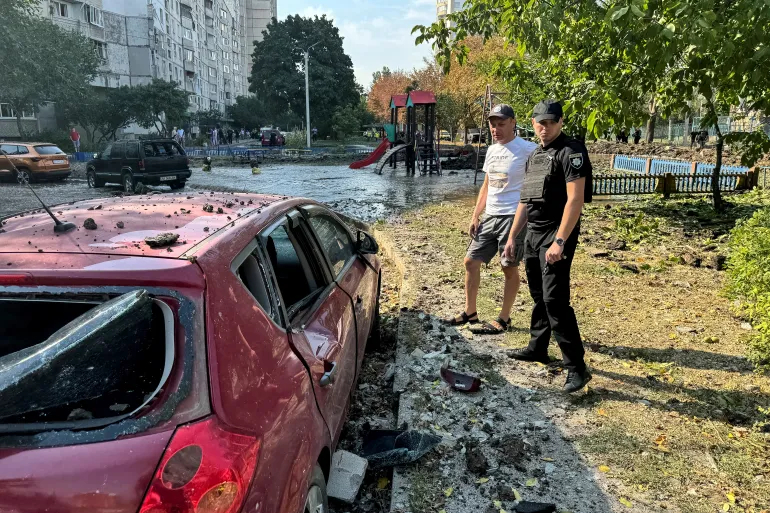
307	93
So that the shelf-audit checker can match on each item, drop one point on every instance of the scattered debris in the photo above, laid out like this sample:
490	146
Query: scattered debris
475	459
534	507
391	447
89	224
80	414
347	474
120	225
162	240
458	380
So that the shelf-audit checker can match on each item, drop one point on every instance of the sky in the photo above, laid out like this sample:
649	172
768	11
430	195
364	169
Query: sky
375	33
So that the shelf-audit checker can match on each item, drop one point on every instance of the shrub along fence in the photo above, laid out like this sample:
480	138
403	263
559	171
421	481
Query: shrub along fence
640	175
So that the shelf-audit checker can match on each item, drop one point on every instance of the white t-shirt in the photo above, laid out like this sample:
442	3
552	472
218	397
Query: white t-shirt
504	165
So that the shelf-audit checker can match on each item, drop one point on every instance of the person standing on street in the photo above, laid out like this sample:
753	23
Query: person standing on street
499	198
557	182
75	138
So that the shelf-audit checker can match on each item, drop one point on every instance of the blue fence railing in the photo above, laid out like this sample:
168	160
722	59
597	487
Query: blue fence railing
626	163
675	167
709	168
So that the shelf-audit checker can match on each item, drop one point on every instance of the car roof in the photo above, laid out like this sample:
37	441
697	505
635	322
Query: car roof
29	143
142	216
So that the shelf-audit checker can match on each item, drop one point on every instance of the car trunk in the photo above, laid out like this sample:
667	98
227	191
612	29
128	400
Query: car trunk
78	365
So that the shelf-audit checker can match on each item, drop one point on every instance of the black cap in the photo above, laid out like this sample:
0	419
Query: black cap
548	109
502	110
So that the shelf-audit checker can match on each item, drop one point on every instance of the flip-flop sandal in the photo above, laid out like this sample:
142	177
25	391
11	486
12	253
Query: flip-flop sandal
491	328
461	319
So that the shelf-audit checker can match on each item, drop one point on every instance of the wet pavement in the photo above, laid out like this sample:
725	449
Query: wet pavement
358	193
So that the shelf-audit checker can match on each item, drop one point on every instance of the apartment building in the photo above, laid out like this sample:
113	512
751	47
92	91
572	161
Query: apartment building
445	7
203	45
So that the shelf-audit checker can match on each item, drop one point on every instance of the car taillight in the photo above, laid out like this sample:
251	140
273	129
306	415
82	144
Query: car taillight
141	165
16	279
35	159
205	469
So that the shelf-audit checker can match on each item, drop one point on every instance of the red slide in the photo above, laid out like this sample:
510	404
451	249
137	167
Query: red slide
373	156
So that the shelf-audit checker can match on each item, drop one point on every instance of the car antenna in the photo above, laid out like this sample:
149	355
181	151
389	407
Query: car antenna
59	227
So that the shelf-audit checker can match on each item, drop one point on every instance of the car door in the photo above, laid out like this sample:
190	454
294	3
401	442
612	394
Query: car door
318	312
116	160
349	269
5	164
102	164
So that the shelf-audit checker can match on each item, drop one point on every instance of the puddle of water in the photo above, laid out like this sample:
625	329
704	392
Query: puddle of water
359	193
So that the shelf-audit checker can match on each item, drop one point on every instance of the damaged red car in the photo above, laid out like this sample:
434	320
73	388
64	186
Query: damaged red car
179	353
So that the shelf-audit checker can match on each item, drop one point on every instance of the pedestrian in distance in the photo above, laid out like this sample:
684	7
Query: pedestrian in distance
75	138
557	182
221	136
498	200
637	135
693	135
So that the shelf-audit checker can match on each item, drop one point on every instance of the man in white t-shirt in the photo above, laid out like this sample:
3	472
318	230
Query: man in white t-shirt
498	199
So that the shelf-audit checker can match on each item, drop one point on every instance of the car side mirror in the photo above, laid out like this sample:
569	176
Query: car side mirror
365	244
97	155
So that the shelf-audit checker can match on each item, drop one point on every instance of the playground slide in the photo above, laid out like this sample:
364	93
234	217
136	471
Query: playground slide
373	156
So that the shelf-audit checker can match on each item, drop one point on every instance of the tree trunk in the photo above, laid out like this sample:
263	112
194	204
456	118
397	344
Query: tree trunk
718	205
651	127
19	125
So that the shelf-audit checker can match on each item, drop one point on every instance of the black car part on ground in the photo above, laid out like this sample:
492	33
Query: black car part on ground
106	363
391	447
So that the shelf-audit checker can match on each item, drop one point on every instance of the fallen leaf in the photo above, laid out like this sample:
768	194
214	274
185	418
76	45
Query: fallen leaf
731	497
604	468
725	507
602	412
442	511
498	504
625	502
502	510
482	480
516	494
382	483
437	427
532	481
626	365
448	491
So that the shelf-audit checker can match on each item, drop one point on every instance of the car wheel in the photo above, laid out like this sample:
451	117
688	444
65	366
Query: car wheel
128	183
23	176
91	177
317	500
177	185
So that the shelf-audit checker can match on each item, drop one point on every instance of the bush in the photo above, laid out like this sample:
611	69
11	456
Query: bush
748	272
296	140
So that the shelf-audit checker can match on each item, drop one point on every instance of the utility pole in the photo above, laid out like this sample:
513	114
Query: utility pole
307	92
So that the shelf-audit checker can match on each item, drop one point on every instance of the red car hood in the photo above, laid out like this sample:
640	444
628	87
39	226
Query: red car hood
108	477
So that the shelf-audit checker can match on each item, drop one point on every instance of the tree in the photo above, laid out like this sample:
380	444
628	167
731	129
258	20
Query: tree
387	85
377	75
278	74
102	113
41	62
207	119
163	105
247	111
449	113
350	119
660	51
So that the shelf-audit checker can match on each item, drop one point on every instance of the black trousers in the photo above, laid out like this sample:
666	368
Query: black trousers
550	289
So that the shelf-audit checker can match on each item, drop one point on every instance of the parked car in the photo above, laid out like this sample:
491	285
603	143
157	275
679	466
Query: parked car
149	161
34	161
445	135
272	137
212	373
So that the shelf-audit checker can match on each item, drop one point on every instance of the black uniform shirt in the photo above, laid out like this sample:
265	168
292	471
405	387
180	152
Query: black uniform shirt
570	163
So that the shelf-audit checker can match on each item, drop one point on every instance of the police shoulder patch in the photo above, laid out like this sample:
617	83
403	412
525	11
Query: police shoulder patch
576	160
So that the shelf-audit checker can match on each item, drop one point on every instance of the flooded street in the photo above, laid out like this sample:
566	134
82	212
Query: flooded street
358	193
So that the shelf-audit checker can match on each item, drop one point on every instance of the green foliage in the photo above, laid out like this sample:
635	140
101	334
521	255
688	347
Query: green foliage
296	140
345	122
748	280
637	228
207	119
449	112
40	61
247	112
606	60
102	113
278	76
751	145
163	105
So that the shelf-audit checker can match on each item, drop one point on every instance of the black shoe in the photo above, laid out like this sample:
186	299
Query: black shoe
525	354
576	380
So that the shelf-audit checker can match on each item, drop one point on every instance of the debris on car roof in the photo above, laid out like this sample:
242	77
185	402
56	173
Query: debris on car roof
162	240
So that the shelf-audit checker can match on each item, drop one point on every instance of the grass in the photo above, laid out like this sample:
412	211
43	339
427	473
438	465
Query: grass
675	414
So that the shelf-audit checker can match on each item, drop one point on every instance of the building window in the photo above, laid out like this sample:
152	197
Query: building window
188	55
223	14
212	55
212	72
225	41
93	15
226	69
101	49
236	67
188	34
61	9
169	67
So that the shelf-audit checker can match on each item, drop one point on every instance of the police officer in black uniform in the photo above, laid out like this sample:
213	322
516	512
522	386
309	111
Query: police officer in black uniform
558	180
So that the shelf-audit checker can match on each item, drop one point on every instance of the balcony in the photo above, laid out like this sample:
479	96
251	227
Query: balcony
189	67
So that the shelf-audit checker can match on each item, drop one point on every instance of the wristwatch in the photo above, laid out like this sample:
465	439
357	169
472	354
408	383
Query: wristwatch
560	242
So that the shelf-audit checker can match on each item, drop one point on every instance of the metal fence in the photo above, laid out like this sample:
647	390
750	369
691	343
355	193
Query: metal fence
626	163
669	183
675	167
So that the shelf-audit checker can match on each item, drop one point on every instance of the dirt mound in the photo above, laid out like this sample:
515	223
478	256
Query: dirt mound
708	154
